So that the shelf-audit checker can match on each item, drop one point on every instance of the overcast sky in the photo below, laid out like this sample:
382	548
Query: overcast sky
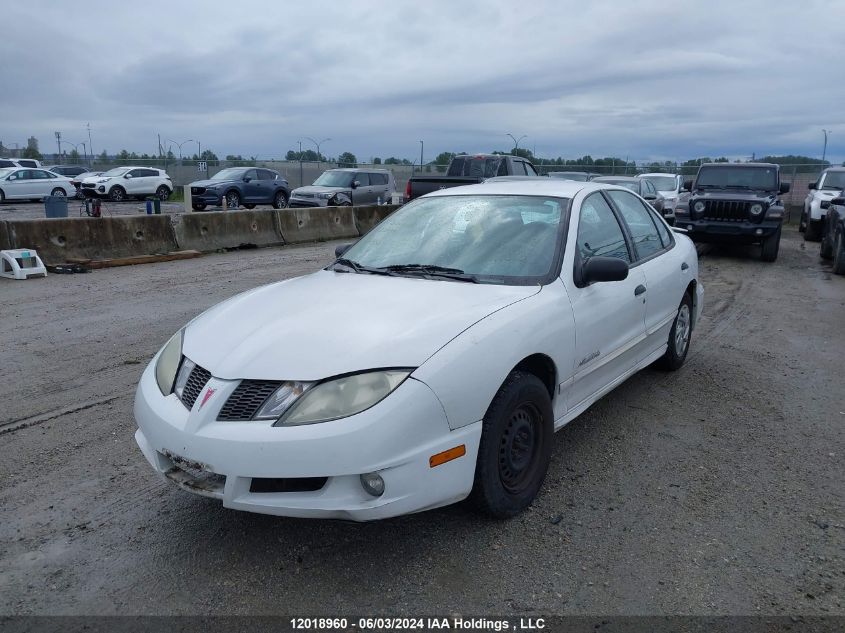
646	79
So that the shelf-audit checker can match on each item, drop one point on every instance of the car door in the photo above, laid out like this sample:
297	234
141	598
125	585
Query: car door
609	316
266	180
133	182
381	187
662	264
252	189
363	193
42	182
18	184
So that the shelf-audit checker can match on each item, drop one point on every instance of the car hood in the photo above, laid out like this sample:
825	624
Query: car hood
330	323
312	189
733	194
98	178
212	183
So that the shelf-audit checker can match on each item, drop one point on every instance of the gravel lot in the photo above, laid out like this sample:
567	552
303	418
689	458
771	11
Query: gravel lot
714	490
16	210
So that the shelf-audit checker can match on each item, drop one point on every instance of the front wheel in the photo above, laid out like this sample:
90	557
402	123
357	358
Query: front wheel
280	201
771	246
813	230
233	200
679	337
117	194
59	192
826	248
198	206
163	193
839	254
516	446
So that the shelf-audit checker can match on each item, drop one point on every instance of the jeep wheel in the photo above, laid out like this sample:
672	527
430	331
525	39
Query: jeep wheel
771	246
117	194
516	447
839	254
813	230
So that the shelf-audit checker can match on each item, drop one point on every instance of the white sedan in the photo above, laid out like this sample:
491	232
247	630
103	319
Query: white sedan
432	361
23	183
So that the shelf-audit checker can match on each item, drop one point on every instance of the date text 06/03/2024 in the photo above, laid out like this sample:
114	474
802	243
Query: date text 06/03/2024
419	624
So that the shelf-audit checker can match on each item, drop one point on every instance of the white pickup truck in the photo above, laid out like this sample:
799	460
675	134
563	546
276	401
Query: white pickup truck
828	186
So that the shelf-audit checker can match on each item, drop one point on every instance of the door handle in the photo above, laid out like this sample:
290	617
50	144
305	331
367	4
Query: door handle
639	290
684	266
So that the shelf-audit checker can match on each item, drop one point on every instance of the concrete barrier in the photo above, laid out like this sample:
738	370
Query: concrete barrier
227	229
367	217
4	236
317	224
56	240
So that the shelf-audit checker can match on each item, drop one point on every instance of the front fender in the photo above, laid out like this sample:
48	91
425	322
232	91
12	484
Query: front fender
467	372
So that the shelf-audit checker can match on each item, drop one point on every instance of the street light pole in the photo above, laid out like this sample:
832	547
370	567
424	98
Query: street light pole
422	145
300	164
319	155
824	150
516	140
190	140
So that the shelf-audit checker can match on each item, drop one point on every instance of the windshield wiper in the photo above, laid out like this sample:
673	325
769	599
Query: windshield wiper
433	270
360	268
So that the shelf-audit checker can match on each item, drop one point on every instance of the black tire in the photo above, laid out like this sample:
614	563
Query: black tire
163	193
679	337
198	206
516	447
826	248
79	194
233	199
2	197
117	194
58	191
771	246
249	205
280	200
839	254
813	230
802	222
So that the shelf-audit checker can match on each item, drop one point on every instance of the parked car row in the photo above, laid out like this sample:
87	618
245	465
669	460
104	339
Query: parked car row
20	162
22	183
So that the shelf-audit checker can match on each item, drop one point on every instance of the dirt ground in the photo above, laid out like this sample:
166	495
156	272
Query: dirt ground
714	490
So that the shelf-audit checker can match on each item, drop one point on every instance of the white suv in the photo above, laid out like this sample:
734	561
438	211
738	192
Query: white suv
827	187
121	183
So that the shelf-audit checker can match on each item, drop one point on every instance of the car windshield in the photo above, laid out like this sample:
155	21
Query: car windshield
5	171
663	183
633	185
229	174
117	171
475	166
334	179
765	178
495	239
834	180
570	175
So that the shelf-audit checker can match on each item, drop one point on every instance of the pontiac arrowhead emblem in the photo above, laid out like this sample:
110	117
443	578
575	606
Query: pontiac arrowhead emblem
208	393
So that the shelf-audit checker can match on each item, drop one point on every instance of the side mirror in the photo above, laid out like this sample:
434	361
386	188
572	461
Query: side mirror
340	249
355	184
604	269
687	186
784	187
247	178
838	201
812	185
128	176
649	196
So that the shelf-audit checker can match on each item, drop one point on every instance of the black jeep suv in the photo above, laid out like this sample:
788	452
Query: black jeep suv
734	203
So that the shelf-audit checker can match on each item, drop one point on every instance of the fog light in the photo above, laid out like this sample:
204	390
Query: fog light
373	484
759	231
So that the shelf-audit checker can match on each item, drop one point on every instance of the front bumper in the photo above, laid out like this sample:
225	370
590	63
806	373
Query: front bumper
307	202
716	231
395	438
210	198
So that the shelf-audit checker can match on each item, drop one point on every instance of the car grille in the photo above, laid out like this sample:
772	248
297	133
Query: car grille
247	399
731	210
196	381
197	190
88	185
304	195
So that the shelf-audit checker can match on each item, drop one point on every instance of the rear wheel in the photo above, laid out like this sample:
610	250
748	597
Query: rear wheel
117	194
515	449
163	193
679	337
826	247
198	206
233	199
58	191
771	246
280	201
839	254
2	197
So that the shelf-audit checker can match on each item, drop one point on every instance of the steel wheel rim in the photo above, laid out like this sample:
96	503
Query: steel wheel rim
519	449
682	329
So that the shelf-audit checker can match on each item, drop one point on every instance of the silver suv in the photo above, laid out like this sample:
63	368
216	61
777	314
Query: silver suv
345	187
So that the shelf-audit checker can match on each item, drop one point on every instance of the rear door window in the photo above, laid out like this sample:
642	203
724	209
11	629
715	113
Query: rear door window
378	179
265	174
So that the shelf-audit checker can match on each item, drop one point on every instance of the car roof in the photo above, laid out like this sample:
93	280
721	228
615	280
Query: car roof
358	169
775	165
656	173
528	187
835	169
614	178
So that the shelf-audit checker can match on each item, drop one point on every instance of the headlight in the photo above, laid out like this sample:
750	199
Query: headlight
699	206
338	398
325	196
103	180
756	209
168	363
